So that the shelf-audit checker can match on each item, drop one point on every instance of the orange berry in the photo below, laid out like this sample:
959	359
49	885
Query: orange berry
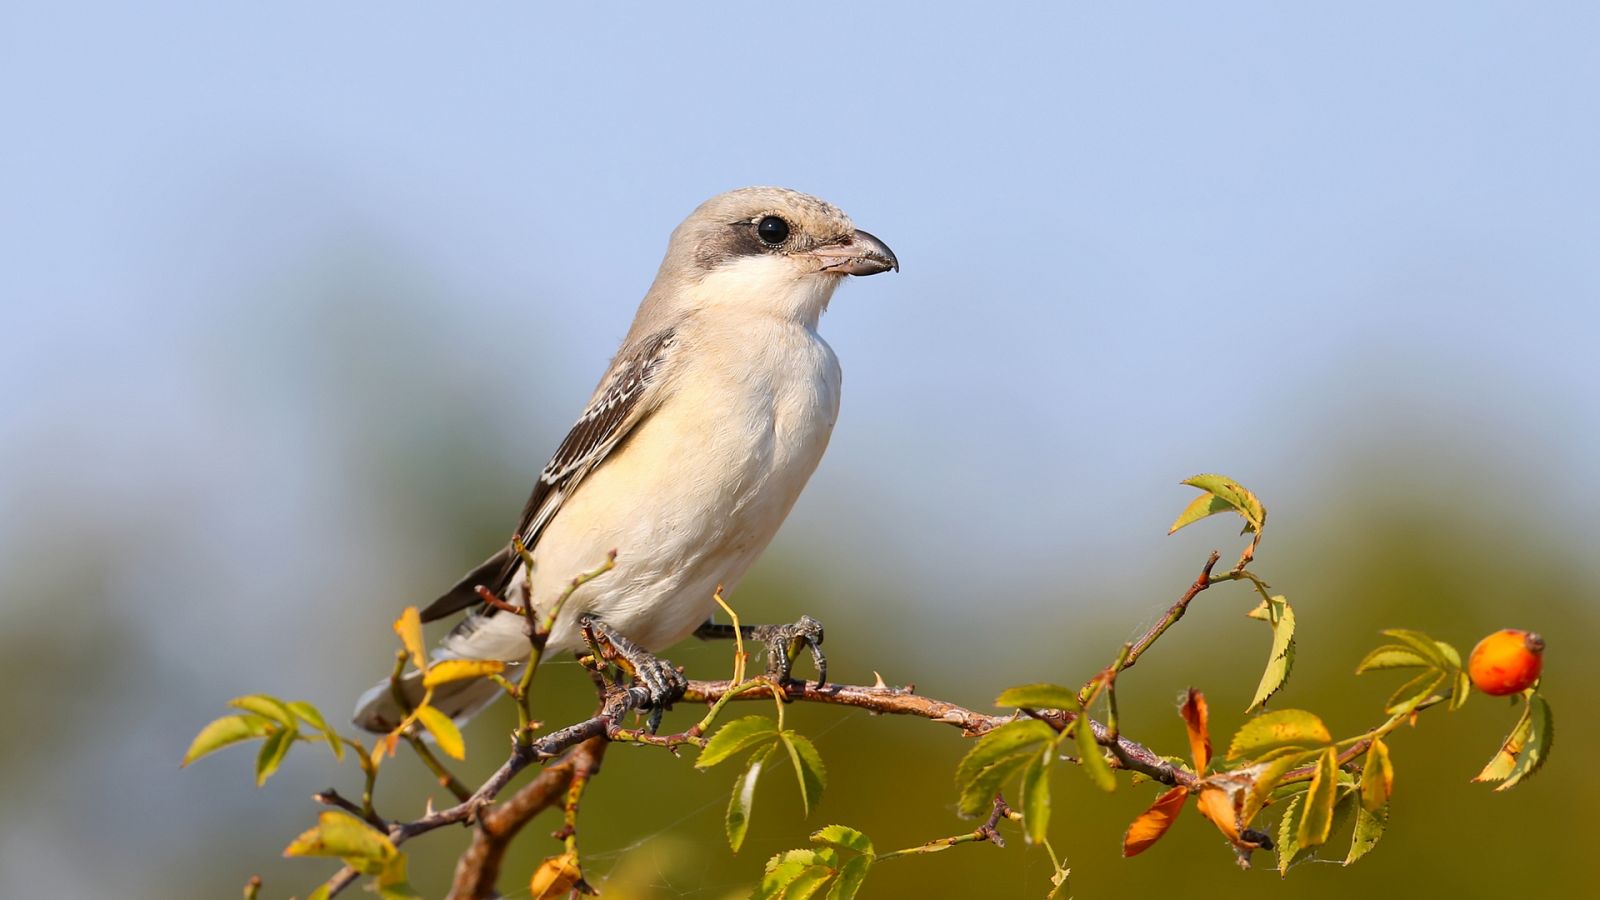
1506	662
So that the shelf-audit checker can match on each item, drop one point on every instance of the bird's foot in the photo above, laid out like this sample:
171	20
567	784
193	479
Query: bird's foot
662	681
782	642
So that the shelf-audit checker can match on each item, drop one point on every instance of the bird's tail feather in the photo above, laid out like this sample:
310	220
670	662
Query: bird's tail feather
379	712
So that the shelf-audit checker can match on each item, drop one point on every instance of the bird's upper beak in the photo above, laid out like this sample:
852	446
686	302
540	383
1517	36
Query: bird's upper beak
862	254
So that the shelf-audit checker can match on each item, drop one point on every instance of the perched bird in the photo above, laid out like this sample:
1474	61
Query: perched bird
695	445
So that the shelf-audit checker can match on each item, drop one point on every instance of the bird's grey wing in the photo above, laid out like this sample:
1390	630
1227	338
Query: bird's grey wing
616	409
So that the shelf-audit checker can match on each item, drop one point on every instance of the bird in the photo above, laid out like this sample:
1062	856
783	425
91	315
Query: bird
693	448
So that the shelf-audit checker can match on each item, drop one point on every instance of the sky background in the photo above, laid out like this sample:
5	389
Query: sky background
297	298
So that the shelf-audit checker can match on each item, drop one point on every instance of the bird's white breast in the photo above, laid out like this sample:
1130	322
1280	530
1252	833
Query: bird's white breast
701	486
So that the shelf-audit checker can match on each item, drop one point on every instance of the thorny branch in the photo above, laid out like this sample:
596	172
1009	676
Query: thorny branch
496	825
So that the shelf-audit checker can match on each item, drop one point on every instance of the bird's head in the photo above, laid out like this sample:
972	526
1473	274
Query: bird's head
771	249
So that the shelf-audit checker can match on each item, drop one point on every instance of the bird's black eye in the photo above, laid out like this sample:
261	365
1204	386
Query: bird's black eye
772	230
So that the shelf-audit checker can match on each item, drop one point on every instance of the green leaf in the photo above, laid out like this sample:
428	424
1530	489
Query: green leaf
996	757
1525	749
267	707
1460	690
1266	780
782	870
1369	828
1231	495
444	731
345	836
393	883
273	750
1092	758
225	731
1317	818
1288	849
1377	778
1279	728
313	717
1038	696
1411	694
845	837
743	799
1392	656
851	874
734	737
1424	646
1035	794
1004	741
1280	616
1449	654
807	883
808	768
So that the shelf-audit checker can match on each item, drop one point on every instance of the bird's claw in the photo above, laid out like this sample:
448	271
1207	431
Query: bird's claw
663	683
783	641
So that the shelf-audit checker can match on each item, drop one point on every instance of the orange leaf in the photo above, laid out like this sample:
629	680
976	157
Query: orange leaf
556	876
1195	716
1154	822
1218	805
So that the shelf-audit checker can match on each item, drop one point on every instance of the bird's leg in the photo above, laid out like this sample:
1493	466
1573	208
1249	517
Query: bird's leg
661	679
782	642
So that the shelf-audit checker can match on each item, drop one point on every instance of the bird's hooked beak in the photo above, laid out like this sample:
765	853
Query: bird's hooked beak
862	254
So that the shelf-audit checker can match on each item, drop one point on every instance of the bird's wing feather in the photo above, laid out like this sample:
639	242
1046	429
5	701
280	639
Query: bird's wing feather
617	408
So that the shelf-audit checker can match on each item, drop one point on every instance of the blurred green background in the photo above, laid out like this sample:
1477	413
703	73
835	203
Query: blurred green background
298	299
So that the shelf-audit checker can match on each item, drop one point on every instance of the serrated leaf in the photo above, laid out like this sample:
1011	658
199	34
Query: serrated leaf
1411	694
1317	818
1369	828
1266	781
1035	796
843	836
345	836
1038	696
313	717
409	628
1279	728
807	883
808	768
1232	496
999	743
1196	719
787	867
555	877
1460	690
1289	850
742	801
226	731
445	733
266	707
1091	758
1527	747
1280	660
272	752
1424	646
1154	822
1377	777
851	874
1391	656
734	737
447	670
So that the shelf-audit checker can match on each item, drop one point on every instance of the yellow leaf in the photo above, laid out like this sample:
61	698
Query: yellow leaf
555	877
409	628
1221	494
1377	777
456	669
1317	819
345	836
1195	717
224	731
443	730
1154	822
